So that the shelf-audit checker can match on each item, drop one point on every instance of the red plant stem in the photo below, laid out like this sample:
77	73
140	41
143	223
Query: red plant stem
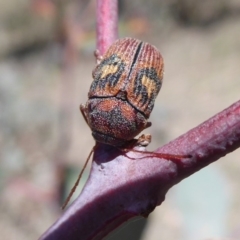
107	24
119	188
208	142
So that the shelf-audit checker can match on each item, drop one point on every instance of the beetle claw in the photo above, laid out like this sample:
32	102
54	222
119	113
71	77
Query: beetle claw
144	140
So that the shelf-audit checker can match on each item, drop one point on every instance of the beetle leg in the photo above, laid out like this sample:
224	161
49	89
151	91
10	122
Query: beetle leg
149	124
98	56
82	108
144	140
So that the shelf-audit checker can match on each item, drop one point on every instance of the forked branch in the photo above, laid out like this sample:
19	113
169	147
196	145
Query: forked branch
120	188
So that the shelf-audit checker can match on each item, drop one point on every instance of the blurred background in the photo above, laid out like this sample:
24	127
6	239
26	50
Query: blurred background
46	60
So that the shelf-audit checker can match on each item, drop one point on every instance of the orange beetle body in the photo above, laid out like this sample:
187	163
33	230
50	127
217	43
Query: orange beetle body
122	94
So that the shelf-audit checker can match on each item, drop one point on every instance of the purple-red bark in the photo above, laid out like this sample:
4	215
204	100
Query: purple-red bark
126	185
120	188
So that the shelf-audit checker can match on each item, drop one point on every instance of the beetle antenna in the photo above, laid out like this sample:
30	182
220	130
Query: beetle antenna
78	180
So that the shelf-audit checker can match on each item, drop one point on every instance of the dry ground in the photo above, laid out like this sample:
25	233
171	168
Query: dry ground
201	78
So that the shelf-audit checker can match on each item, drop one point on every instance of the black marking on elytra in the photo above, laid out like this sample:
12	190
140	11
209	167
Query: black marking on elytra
140	89
136	54
135	58
111	78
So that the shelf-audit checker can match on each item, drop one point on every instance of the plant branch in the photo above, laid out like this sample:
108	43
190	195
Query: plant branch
107	24
120	188
208	142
